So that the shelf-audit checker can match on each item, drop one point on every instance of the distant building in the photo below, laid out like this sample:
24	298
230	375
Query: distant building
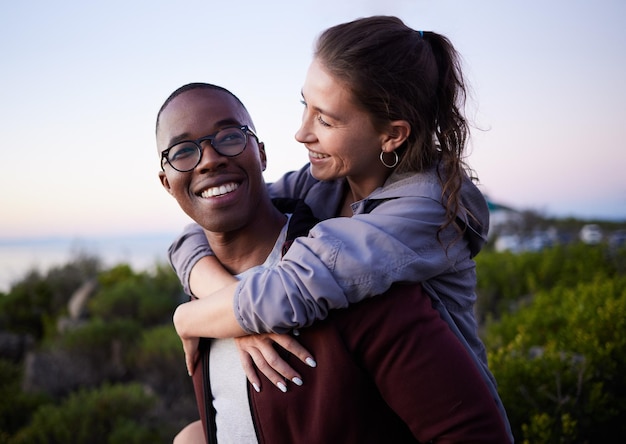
591	234
518	231
502	215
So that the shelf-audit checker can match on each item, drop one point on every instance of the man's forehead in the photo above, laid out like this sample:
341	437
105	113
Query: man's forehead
213	101
204	107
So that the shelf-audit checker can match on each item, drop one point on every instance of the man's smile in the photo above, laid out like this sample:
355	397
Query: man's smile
219	190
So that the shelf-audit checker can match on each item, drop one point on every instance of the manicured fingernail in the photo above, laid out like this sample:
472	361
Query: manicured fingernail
282	387
297	381
311	362
256	387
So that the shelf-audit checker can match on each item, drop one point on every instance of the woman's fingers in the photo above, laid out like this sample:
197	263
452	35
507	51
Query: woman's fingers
294	347
261	352
190	346
259	349
248	367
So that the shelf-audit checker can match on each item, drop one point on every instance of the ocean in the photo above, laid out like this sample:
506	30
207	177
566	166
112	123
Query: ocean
19	256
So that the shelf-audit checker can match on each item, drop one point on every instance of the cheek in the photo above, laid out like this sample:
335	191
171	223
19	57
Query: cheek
177	184
359	149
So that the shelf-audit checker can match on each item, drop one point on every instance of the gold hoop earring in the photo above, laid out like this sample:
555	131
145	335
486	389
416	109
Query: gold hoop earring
395	161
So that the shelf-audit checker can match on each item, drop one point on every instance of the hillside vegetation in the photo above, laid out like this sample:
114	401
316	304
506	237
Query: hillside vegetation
554	330
89	355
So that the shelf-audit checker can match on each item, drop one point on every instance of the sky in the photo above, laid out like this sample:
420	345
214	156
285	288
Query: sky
81	83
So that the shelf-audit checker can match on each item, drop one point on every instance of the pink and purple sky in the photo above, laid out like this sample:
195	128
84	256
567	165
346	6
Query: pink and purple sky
81	83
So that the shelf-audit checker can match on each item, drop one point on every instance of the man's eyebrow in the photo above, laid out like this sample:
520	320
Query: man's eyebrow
224	123
179	138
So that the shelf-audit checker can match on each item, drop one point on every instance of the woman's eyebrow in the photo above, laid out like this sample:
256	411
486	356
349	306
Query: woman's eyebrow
321	110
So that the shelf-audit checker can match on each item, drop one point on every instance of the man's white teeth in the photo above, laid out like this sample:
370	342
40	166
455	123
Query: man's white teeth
317	155
218	191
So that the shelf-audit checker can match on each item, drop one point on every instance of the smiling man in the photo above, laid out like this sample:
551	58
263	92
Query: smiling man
230	174
212	164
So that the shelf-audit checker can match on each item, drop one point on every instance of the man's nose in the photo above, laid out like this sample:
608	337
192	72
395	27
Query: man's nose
210	159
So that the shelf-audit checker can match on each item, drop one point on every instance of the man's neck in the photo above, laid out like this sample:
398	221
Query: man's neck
246	248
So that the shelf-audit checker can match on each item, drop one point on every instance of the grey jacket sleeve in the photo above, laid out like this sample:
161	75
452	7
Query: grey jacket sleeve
186	250
345	260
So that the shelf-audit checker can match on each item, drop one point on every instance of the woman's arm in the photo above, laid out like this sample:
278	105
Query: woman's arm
208	276
209	317
345	260
186	250
190	321
213	316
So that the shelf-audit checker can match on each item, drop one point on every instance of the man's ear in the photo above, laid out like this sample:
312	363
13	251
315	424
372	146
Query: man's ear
165	182
397	132
262	155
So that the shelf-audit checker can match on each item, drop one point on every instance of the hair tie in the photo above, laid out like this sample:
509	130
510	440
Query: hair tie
421	34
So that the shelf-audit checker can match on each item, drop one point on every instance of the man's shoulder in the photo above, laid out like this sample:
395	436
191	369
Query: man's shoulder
301	221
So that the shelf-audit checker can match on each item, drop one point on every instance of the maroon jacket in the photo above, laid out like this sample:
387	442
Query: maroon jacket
389	370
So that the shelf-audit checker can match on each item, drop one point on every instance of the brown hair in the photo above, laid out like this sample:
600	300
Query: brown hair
398	73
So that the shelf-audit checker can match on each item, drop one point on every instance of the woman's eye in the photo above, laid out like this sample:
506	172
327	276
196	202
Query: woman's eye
319	118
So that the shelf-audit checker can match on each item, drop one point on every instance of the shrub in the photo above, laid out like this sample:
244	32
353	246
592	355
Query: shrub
160	343
506	279
160	363
107	415
149	300
97	334
560	361
38	298
16	407
130	311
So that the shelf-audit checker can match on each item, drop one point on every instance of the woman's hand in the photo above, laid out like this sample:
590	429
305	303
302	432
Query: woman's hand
190	346
211	317
258	350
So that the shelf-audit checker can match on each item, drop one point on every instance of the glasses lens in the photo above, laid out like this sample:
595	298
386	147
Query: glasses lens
184	156
230	141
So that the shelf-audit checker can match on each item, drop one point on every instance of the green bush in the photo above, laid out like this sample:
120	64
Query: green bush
99	334
37	299
148	299
108	415
505	279
159	362
127	337
16	407
560	361
160	343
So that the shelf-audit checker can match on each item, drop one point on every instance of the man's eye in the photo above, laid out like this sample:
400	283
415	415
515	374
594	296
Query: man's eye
182	152
231	139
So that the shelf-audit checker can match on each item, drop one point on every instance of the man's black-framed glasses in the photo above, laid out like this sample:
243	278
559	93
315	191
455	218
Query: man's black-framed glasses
185	155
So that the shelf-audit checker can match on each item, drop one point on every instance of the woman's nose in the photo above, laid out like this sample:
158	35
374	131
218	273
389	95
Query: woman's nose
304	133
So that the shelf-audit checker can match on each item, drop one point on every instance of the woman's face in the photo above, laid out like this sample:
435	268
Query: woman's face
340	136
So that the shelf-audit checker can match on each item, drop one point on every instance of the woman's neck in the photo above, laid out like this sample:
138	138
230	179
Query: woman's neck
357	190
